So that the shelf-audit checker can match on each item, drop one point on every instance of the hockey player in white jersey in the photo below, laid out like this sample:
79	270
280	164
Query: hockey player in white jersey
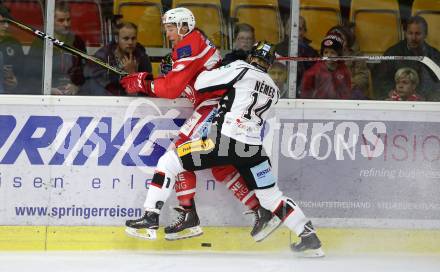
235	138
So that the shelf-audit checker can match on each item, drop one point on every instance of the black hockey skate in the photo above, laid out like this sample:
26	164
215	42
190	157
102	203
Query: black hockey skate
149	223
310	245
265	223
186	225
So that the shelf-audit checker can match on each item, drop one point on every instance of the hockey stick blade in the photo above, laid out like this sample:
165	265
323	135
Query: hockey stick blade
62	45
425	60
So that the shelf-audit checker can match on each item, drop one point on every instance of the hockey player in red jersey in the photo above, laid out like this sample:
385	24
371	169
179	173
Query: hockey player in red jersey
192	53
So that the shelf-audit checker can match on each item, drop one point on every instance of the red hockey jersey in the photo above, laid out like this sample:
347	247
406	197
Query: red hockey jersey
191	56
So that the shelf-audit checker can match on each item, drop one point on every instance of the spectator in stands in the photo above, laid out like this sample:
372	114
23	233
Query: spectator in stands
67	69
13	58
125	53
360	74
278	72
328	79
282	48
244	39
414	44
304	48
116	20
407	81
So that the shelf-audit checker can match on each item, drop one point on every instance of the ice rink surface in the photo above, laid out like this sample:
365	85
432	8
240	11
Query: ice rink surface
127	261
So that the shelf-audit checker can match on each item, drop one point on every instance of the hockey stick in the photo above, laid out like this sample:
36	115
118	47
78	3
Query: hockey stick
64	46
425	60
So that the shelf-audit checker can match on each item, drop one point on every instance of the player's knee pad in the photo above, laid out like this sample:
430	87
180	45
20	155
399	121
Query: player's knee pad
159	190
269	198
163	180
185	186
166	171
224	173
170	164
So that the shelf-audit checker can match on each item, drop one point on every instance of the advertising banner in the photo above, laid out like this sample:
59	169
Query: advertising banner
89	162
81	164
364	164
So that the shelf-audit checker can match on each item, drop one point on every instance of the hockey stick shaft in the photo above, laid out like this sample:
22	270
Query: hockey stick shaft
62	45
425	60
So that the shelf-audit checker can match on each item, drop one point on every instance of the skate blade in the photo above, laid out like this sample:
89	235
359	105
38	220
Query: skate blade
144	234
311	253
185	234
272	225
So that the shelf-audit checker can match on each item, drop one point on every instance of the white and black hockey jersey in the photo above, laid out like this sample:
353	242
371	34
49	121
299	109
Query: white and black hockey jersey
244	108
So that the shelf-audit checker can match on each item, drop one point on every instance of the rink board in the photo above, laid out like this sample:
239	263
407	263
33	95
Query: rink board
86	162
218	239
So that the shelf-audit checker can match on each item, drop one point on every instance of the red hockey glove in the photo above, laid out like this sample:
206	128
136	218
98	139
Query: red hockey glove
137	83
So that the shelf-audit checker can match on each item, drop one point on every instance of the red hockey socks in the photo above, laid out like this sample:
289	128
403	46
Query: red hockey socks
186	188
236	184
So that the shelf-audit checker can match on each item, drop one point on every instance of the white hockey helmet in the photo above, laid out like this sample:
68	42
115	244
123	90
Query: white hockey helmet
179	16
